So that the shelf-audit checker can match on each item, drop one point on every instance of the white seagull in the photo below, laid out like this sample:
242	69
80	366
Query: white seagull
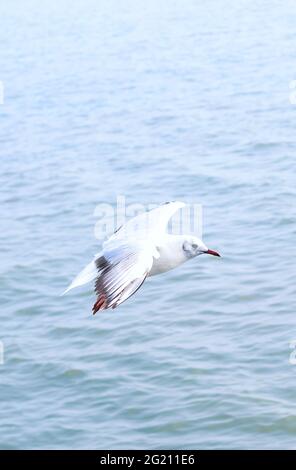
140	248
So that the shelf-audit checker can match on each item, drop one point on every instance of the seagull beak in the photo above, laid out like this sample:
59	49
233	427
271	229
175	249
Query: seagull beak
212	252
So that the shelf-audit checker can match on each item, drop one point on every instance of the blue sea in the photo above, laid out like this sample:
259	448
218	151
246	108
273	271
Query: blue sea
157	101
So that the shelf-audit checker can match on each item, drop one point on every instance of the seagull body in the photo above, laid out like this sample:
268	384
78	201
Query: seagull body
140	248
170	244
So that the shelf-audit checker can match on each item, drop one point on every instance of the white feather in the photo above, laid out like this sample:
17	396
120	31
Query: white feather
89	273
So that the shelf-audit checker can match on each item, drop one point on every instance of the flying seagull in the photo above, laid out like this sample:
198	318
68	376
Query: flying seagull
140	248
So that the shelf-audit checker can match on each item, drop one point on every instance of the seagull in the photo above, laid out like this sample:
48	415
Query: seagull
140	248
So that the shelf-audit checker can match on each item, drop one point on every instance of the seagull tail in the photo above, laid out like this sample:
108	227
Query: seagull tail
89	273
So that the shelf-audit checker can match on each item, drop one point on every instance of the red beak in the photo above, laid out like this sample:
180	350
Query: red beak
212	252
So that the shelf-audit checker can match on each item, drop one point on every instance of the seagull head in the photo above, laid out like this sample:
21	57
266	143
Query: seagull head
193	246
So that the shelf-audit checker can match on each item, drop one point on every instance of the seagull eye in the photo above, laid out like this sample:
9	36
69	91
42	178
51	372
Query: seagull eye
194	246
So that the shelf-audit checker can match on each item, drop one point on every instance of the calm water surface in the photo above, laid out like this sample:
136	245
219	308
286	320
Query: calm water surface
155	100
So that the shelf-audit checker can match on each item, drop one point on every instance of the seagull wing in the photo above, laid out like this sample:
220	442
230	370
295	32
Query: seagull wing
150	225
121	270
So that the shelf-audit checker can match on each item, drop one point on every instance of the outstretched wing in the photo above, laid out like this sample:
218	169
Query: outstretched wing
121	272
150	225
89	273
